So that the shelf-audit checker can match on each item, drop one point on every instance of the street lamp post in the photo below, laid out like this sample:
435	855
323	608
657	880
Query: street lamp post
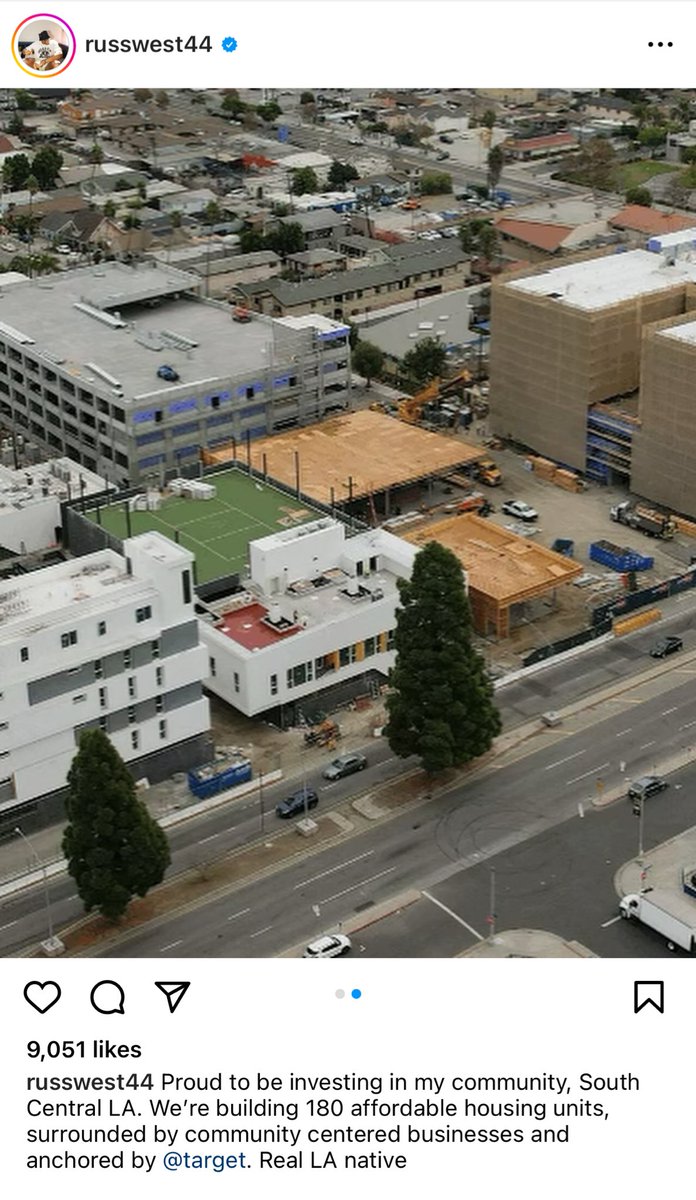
53	942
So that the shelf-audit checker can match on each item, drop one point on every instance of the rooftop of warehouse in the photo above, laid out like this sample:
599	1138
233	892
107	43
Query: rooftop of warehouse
610	279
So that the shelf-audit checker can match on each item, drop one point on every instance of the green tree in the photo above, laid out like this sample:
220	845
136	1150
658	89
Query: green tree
212	213
495	164
303	181
251	240
307	98
341	173
652	137
435	183
115	850
688	155
441	704
286	238
269	111
25	101
425	361
639	195
232	105
46	165
367	360
140	95
109	209
488	119
353	336
15	172
15	125
594	165
33	264
488	241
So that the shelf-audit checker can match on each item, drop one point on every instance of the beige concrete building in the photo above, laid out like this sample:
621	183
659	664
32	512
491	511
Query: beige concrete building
569	338
664	464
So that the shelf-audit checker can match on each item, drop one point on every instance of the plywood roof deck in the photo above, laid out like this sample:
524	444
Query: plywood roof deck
375	450
500	565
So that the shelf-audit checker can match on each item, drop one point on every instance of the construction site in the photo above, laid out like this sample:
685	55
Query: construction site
505	572
364	462
578	377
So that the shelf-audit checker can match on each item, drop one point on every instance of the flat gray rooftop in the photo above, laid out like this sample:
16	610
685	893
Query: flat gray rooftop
131	342
600	282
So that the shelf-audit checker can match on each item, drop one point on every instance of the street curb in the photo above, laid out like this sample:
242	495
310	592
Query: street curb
379	912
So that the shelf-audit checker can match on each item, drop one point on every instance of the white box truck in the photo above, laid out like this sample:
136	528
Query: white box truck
673	916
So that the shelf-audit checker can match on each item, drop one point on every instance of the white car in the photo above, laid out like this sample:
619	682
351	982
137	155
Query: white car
330	946
64	249
520	510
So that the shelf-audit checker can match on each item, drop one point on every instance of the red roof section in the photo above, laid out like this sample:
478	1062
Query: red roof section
542	235
257	160
548	141
246	626
650	220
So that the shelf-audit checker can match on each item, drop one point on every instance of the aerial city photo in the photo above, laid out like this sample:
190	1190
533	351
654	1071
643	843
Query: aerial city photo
347	523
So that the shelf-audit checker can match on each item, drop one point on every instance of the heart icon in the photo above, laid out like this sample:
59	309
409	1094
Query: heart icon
42	996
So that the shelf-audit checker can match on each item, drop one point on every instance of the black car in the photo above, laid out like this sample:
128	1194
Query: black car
667	645
168	373
646	786
297	804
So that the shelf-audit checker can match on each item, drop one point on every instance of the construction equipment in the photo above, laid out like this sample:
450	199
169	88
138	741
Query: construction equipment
649	521
489	473
410	408
325	734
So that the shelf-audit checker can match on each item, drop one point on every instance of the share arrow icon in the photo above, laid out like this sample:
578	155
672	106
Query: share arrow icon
174	993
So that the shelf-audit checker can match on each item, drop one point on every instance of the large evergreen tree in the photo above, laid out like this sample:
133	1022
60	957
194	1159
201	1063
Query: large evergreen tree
441	704
115	850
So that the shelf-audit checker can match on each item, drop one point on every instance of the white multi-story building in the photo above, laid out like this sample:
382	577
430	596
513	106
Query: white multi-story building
100	641
319	608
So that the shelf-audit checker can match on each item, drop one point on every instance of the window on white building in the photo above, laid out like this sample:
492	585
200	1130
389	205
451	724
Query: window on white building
274	685
131	686
163	729
159	704
236	682
143	614
213	667
135	739
126	658
98	669
24	654
101	628
131	714
68	639
370	647
159	676
155	648
102	697
79	698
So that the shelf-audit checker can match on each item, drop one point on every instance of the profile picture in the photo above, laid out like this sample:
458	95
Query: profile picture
43	45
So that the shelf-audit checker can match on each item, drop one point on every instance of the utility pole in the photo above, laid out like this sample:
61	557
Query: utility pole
492	913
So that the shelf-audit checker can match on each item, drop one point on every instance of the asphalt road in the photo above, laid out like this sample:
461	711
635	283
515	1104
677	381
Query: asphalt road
517	805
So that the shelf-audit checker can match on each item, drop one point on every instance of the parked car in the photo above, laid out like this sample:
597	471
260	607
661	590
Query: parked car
347	764
355	141
445	137
666	645
63	249
330	946
168	373
297	804
442	155
520	510
647	785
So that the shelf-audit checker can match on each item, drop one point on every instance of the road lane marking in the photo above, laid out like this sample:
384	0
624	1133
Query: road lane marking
332	869
646	744
171	946
687	726
8	926
260	931
201	841
624	732
612	922
453	915
594	771
241	913
665	712
565	760
357	885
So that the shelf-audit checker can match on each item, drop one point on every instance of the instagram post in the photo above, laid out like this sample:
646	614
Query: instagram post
347	594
